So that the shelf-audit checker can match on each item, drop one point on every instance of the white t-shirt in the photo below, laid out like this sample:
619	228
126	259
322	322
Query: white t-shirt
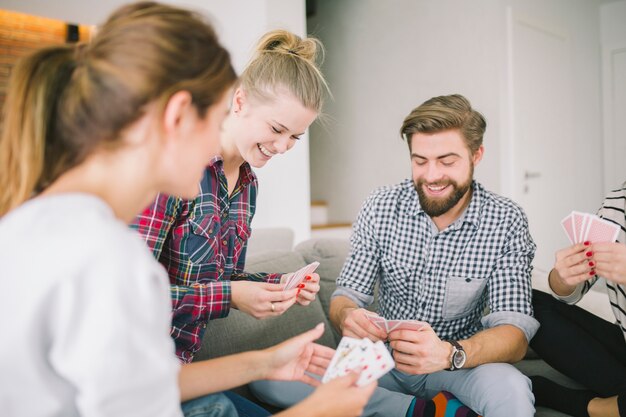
84	315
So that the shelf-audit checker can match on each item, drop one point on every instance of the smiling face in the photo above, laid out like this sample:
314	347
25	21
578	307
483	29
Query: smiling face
262	129
442	171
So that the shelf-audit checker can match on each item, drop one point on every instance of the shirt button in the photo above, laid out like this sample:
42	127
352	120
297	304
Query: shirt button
210	231
224	213
204	325
224	242
221	270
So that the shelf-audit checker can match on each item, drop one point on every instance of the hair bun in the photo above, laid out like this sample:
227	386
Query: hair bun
285	42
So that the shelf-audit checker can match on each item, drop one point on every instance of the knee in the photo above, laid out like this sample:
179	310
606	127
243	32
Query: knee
509	385
213	405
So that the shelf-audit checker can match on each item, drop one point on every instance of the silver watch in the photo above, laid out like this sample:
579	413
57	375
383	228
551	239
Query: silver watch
458	358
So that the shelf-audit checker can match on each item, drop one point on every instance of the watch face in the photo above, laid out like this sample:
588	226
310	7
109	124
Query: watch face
458	359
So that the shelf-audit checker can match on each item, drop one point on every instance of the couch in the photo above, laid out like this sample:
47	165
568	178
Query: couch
239	332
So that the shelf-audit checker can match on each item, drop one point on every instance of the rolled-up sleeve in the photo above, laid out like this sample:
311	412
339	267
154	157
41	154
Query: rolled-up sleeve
510	287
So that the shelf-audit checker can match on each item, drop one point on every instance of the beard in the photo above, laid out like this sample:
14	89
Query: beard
435	207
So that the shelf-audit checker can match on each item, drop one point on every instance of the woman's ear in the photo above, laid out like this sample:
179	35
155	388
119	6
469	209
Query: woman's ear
177	107
239	100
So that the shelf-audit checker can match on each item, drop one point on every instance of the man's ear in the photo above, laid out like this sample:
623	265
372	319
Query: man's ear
178	105
478	155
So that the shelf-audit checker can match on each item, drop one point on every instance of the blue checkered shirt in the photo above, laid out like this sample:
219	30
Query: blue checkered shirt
448	278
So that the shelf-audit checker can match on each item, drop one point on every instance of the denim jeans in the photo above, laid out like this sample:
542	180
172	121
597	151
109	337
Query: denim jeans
224	404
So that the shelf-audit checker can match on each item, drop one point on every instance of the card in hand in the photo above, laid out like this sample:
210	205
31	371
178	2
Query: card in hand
390	325
298	276
581	227
372	359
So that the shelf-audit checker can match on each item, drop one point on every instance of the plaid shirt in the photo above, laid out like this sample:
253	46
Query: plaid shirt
445	278
202	245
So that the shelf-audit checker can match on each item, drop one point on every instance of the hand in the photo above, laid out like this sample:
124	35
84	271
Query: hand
261	299
356	324
339	398
290	360
419	352
573	266
610	261
307	289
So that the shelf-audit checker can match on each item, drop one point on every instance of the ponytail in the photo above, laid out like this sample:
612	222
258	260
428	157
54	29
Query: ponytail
29	150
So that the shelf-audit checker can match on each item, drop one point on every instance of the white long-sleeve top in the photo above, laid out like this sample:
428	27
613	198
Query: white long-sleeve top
84	315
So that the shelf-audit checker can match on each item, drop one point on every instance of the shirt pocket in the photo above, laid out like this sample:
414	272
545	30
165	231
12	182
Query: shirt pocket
202	242
242	232
397	275
462	295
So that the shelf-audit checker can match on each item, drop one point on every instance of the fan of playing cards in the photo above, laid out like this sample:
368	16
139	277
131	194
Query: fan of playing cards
372	359
390	325
585	227
298	276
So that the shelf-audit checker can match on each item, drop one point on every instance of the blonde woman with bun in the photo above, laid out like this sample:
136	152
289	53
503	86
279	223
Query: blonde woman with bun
202	242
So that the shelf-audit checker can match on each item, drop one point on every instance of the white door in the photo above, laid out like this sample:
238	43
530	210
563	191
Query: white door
614	100
541	76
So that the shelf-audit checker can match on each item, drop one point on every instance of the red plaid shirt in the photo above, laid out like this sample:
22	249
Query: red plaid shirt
202	245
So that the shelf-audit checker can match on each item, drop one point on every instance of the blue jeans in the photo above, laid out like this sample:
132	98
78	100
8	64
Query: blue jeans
494	390
224	404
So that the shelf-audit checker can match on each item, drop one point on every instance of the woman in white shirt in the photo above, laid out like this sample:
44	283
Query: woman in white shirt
91	134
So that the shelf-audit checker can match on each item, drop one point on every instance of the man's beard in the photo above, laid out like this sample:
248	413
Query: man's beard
435	207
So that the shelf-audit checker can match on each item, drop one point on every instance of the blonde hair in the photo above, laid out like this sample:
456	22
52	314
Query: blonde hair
65	101
444	113
284	60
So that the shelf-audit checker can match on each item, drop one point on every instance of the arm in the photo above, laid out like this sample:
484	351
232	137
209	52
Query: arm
287	361
355	286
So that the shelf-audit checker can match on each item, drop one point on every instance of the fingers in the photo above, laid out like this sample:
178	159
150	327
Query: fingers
281	306
360	326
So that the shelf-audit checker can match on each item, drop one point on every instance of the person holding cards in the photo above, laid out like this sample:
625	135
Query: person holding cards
443	250
91	134
202	242
574	341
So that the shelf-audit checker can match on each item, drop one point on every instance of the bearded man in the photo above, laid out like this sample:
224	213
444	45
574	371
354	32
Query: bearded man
447	252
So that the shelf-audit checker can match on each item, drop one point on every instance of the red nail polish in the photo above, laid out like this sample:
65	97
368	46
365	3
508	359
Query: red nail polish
592	272
589	253
308	278
300	285
298	293
587	243
591	264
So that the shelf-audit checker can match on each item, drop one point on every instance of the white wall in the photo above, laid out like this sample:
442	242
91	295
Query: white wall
385	58
613	39
284	184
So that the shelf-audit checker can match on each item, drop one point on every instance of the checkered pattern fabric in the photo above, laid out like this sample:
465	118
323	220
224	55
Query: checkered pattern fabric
445	278
202	245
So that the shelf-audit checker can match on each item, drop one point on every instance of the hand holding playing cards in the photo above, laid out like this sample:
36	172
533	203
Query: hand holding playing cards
419	352
610	261
261	299
306	289
573	266
290	360
357	324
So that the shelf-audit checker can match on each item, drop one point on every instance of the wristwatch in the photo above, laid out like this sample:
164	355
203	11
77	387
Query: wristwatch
458	358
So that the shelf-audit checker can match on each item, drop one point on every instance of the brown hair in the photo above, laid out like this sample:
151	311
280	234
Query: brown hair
445	113
65	101
283	59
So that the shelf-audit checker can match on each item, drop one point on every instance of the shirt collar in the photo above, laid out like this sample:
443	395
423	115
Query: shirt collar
246	175
409	203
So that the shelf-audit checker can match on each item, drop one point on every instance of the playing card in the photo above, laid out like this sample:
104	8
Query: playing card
381	363
405	325
579	221
298	276
372	359
377	320
599	230
568	226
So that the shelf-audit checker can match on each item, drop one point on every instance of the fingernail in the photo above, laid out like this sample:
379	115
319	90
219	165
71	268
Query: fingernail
587	243
592	272
589	253
298	293
591	264
308	278
300	285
